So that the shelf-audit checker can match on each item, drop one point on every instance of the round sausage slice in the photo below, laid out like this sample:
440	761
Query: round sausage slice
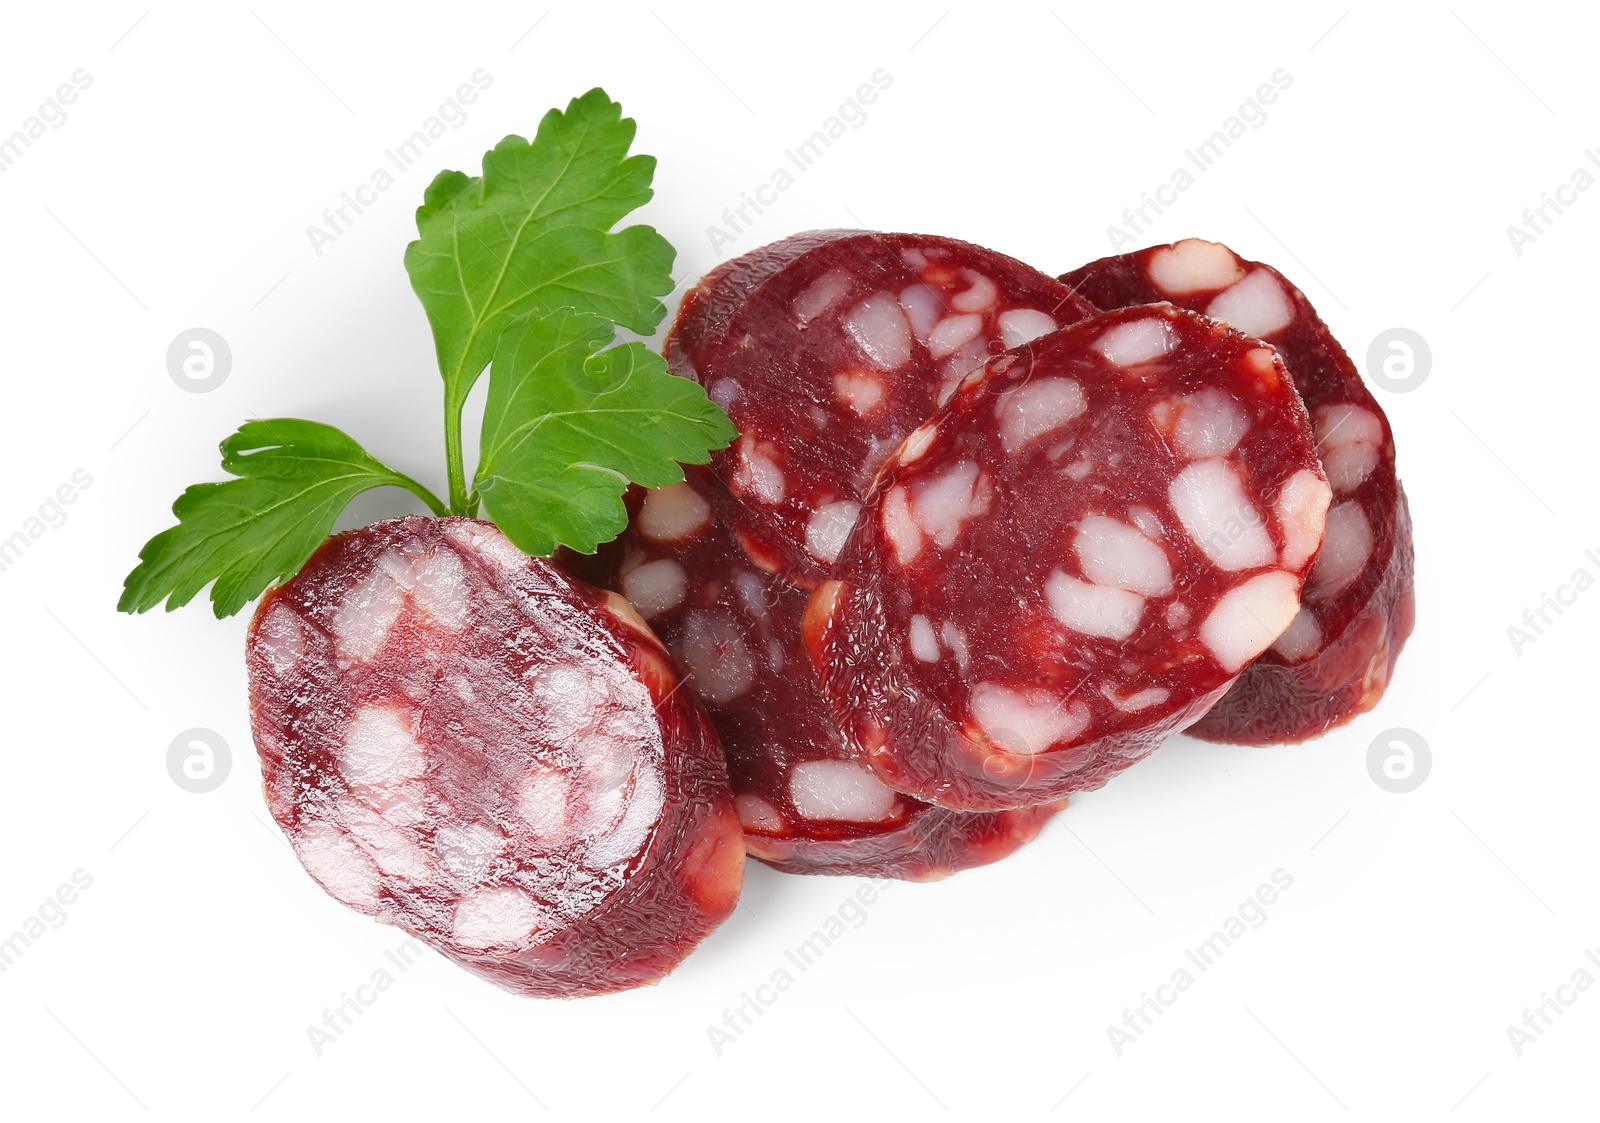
1071	561
466	743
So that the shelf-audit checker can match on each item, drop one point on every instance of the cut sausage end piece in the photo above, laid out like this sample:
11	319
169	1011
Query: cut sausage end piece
473	780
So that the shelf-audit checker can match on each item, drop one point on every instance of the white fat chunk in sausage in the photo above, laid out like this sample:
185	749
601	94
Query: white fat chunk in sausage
543	803
1193	265
395	852
380	750
880	329
1134	701
1022	325
948	387
720	666
820	295
924	644
1037	408
1302	512
917	443
1257	305
756	814
337	863
436	583
900	528
944	503
1248	617
571	692
1265	363
839	790
468	849
366	614
604	764
1140	341
1161	414
1116	554
972	356
858	390
630	834
1147	521
953	333
923	308
956	640
655	587
281	638
1301	639
1210	501
828	528
441	588
486	542
756	474
619	609
1345	549
1026	722
403	806
980	293
724	391
1349	439
495	916
1210	423
1093	610
752	593
673	513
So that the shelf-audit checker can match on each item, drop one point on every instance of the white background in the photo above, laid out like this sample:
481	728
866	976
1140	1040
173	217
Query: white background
1418	927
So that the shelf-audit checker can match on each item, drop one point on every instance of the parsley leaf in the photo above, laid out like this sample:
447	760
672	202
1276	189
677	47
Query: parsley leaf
295	478
567	425
531	234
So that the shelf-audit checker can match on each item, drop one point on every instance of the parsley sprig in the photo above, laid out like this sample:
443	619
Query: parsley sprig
519	271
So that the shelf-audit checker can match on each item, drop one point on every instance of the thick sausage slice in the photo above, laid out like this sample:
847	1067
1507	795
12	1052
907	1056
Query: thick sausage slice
826	349
1336	658
1071	561
806	804
466	743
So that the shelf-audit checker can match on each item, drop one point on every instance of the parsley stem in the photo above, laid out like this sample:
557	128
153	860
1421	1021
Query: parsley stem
423	493
452	452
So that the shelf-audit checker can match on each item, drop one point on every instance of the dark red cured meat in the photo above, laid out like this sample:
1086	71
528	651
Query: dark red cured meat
1071	561
806	804
464	742
826	349
1336	659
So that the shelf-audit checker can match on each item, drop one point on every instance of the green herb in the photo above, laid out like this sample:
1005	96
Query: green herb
568	425
295	478
519	266
531	232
